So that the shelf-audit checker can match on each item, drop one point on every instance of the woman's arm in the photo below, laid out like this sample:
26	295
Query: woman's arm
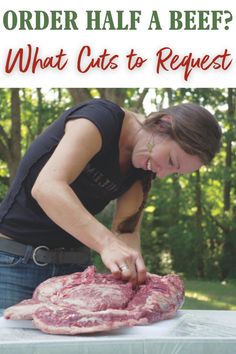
127	205
80	143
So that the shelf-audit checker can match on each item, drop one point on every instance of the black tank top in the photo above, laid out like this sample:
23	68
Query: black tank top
100	182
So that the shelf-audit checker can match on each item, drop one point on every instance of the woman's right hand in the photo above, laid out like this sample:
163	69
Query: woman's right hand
124	262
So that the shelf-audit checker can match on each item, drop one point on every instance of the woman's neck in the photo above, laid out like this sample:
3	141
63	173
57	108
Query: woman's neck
128	137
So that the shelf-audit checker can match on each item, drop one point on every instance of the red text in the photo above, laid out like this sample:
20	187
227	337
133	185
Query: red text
134	61
103	61
29	59
167	60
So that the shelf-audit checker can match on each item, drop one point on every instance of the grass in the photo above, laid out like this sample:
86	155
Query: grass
210	295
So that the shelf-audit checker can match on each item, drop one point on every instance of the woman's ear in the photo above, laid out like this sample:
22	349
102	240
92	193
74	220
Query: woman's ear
165	123
167	119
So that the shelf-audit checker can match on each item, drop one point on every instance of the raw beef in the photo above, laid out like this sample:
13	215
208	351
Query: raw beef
90	302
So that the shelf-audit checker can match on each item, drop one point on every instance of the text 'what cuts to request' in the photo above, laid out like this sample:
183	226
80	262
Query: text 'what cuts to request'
31	60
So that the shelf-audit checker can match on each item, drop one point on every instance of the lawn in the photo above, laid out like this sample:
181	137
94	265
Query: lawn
210	295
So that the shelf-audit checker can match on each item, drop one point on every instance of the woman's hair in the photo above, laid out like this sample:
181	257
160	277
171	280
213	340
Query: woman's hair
193	128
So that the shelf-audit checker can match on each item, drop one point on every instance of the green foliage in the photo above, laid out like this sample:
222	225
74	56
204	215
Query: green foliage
169	227
37	113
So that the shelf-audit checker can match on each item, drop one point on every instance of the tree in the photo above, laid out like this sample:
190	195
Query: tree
228	264
10	142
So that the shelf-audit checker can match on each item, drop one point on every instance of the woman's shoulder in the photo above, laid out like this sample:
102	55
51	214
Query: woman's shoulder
129	114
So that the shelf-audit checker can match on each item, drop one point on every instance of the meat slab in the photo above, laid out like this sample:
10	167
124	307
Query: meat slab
90	302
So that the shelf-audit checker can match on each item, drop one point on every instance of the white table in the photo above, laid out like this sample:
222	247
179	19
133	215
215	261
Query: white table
190	332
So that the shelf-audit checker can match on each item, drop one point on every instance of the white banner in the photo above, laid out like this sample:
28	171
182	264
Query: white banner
122	43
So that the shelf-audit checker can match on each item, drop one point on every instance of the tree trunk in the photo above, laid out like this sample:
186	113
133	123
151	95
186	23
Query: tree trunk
176	185
116	95
199	230
79	94
228	255
228	158
15	139
40	111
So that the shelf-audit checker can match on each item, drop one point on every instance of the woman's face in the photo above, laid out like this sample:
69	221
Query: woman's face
163	156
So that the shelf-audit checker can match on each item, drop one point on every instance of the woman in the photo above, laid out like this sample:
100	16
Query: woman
94	153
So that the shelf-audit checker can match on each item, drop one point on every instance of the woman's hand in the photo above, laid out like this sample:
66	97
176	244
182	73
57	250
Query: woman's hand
124	262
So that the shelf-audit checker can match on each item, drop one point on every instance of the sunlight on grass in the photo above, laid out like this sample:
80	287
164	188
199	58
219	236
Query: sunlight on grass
197	296
210	295
215	303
